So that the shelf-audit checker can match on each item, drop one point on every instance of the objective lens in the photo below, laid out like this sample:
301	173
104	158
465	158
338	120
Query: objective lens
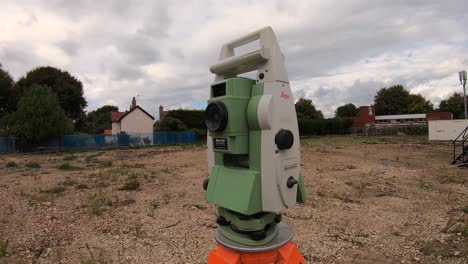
216	116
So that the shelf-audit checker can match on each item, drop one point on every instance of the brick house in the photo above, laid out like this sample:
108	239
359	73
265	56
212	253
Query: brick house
366	117
135	120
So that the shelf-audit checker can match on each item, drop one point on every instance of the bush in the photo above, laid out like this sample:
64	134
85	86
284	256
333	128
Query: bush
171	124
11	164
191	118
329	126
33	165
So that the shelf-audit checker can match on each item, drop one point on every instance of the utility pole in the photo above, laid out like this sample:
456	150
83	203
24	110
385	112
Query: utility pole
462	76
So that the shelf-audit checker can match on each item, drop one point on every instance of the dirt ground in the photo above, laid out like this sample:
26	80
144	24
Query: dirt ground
370	200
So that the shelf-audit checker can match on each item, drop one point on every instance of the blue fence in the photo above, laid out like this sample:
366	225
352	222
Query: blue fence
103	141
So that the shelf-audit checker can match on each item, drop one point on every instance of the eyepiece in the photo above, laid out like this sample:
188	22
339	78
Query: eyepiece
216	116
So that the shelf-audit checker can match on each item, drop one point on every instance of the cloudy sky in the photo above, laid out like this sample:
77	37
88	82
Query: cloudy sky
160	51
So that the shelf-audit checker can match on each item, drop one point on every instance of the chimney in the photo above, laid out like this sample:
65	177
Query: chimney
161	113
133	103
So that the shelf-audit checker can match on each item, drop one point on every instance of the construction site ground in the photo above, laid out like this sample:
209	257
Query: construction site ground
370	200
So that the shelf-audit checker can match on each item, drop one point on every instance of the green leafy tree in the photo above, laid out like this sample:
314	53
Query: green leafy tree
191	118
347	110
305	109
68	88
453	104
392	101
171	124
98	120
39	117
419	105
6	86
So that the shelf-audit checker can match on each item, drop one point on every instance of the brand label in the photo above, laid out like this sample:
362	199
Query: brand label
284	95
220	143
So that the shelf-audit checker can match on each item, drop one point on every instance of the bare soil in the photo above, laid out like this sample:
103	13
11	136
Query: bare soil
370	200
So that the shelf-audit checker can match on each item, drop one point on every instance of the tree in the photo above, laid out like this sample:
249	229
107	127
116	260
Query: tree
171	124
419	105
68	89
347	110
6	86
191	118
305	109
392	101
98	120
39	117
453	104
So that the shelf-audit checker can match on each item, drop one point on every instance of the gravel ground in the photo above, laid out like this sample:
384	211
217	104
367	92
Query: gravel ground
370	200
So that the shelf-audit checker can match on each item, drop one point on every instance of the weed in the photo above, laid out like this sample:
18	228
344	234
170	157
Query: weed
93	157
39	198
105	164
68	167
98	203
69	182
33	165
137	229
54	190
69	157
88	261
425	185
130	185
3	248
81	186
133	166
11	164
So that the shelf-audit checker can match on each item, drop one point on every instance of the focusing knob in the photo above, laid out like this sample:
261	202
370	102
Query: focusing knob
291	182
205	184
284	139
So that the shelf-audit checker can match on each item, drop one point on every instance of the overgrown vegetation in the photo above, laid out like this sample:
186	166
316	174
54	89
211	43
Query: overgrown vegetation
33	165
98	203
11	164
68	167
132	183
54	190
3	248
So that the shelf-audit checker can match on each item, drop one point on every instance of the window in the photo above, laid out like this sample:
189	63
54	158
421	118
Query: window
421	120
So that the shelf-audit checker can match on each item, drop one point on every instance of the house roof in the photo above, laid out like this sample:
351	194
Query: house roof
115	116
118	116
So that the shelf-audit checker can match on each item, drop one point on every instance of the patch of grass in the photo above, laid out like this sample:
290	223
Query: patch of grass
425	185
69	182
93	157
11	164
132	183
33	165
105	164
88	261
3	248
39	198
137	229
98	203
69	157
133	166
54	190
81	186
68	167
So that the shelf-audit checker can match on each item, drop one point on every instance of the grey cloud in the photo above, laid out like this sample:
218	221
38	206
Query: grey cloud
114	40
69	46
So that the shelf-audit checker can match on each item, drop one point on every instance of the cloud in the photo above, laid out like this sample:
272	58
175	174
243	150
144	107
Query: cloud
336	51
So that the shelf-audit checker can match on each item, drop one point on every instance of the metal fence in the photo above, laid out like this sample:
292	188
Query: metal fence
70	142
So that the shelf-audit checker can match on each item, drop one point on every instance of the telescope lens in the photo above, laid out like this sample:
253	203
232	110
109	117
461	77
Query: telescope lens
216	116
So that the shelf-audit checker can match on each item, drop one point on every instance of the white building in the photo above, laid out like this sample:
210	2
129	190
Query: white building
136	120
